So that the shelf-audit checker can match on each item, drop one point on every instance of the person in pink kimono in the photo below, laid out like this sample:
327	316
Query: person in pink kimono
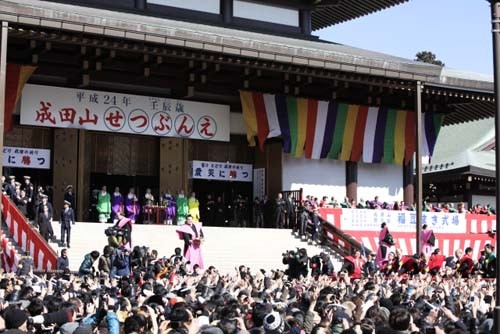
385	244
428	240
192	234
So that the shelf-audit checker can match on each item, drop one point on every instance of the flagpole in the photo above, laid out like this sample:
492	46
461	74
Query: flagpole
495	22
418	164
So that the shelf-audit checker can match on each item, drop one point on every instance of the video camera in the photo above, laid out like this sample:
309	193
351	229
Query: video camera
113	232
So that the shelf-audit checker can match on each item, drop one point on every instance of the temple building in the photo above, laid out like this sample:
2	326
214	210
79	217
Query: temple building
221	97
462	168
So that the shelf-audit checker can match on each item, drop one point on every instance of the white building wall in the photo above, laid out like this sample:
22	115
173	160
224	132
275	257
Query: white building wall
316	177
382	180
208	6
262	12
483	200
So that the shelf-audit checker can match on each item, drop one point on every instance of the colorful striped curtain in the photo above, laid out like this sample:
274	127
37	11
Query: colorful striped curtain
327	129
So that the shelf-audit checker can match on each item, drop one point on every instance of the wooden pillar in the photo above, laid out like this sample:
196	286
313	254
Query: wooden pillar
272	160
140	4
174	164
3	74
82	190
408	187
65	165
351	180
226	9
305	21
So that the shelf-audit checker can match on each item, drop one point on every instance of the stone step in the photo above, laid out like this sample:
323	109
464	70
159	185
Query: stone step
224	247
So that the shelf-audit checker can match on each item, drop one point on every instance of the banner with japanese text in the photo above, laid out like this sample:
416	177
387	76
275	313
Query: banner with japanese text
221	171
401	221
123	113
24	157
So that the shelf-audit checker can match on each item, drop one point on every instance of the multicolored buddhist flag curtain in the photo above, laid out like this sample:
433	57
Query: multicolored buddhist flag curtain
328	129
17	76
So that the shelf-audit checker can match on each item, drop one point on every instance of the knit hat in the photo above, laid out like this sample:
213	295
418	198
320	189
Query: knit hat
14	318
273	323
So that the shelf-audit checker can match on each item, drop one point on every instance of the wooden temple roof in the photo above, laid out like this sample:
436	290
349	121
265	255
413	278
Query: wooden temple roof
344	10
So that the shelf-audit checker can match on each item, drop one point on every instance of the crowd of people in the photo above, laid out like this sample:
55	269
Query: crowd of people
376	203
128	289
138	291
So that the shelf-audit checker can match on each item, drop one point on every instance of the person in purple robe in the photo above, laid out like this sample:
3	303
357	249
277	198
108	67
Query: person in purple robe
428	240
116	204
192	234
132	205
385	244
170	211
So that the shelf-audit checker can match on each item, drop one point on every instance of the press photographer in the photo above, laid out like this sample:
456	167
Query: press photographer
297	263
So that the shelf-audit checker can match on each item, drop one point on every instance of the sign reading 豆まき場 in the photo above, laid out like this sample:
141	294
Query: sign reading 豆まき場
123	113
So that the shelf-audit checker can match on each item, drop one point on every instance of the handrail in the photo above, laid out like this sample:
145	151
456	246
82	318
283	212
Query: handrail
27	237
334	238
296	194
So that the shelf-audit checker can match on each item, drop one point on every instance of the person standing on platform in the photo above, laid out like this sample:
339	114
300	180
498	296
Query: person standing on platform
104	205
22	202
132	205
45	224
69	196
194	207
169	203
147	207
192	234
11	188
44	203
209	212
428	240
4	185
290	212
240	209
29	189
67	219
116	204
280	211
182	208
258	213
219	212
386	242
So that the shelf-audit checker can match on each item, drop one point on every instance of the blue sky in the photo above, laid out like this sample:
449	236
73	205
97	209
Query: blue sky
457	31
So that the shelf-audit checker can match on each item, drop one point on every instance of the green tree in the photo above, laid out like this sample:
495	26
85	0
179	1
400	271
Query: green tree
428	57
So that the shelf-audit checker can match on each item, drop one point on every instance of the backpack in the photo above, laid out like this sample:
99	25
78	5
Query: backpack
432	239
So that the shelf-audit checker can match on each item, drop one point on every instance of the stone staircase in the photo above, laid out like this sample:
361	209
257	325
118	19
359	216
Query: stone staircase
224	247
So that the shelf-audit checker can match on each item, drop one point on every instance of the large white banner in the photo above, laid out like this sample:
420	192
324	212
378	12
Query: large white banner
401	221
221	171
123	113
24	157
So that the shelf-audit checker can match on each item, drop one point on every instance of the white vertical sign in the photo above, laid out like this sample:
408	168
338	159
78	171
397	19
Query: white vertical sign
259	182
